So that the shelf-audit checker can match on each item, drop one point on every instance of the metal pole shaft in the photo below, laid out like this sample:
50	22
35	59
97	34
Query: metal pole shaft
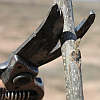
71	53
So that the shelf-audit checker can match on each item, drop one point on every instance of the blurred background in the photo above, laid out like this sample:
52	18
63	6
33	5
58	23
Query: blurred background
20	18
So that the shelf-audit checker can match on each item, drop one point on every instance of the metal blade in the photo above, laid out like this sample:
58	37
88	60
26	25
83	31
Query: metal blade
83	27
44	39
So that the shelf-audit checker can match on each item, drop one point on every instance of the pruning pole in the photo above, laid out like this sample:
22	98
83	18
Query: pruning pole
71	53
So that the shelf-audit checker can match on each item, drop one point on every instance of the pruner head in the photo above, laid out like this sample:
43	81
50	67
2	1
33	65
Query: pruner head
80	30
20	71
19	75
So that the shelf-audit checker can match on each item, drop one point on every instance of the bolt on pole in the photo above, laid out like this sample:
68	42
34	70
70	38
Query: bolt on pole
70	53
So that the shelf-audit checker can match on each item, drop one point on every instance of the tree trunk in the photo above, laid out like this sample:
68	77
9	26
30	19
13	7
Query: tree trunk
71	53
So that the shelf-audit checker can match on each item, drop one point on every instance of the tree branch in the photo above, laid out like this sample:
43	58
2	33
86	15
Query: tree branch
71	53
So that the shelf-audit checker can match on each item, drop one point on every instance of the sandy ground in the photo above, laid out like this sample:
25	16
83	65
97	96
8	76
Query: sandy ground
17	22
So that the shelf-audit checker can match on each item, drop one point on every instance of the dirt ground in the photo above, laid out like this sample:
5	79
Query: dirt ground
19	19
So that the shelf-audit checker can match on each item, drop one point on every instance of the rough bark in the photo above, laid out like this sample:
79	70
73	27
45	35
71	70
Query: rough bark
71	53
